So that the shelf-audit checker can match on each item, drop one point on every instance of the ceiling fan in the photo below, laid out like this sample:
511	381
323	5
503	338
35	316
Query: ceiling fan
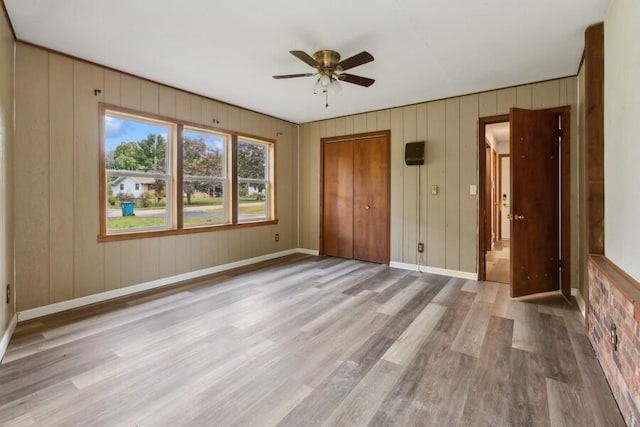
330	70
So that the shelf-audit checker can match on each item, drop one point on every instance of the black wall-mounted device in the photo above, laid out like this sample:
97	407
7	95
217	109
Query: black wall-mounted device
414	153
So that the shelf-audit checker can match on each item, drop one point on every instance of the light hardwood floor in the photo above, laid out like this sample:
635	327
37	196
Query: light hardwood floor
306	341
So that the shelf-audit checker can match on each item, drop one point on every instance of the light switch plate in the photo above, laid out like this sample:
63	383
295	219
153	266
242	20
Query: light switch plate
473	190
434	189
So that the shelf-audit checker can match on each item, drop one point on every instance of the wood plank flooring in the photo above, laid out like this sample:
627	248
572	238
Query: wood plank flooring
306	341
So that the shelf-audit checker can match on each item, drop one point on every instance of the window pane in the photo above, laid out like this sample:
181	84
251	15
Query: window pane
204	157
203	203
129	208
135	145
203	153
252	201
252	160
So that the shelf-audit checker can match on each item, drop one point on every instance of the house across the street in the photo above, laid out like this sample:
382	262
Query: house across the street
132	185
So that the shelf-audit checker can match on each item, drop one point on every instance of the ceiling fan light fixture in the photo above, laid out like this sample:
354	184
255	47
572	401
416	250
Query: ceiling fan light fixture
325	81
322	85
317	87
335	87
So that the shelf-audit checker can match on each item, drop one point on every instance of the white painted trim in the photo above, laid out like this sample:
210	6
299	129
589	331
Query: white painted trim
154	284
4	343
298	186
575	292
308	251
434	270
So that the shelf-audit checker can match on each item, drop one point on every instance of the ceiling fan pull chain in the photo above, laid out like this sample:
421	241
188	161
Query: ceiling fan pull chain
326	100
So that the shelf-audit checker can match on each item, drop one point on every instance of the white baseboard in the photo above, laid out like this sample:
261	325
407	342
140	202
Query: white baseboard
581	304
4	343
434	270
307	251
154	284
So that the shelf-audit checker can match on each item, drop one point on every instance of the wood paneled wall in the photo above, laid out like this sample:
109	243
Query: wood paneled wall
6	172
448	225
594	135
56	182
581	179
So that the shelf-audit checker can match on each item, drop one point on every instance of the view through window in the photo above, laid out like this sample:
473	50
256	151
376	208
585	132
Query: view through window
137	179
204	168
253	180
160	174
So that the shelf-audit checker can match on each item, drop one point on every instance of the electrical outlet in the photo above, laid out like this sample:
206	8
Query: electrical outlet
277	237
614	337
9	294
420	247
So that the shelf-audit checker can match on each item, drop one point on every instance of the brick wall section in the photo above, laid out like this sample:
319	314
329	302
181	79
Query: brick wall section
614	298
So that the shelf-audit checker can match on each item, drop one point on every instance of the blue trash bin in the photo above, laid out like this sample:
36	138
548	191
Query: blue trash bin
128	208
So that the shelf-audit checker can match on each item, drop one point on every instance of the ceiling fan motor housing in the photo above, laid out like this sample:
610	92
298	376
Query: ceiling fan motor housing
328	60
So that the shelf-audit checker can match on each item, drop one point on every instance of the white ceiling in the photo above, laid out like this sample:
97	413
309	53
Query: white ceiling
228	50
499	132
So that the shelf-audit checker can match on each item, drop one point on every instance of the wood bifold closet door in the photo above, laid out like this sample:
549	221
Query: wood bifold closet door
355	199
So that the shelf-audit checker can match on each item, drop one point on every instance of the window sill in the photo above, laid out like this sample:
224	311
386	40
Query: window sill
103	238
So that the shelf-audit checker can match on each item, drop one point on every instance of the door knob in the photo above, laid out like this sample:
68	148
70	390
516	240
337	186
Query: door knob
515	217
366	207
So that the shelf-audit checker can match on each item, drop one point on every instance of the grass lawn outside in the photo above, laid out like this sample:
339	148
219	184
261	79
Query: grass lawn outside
124	222
198	217
195	201
257	208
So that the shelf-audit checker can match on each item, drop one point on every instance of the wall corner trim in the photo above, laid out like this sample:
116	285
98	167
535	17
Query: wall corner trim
146	286
4	343
434	270
575	292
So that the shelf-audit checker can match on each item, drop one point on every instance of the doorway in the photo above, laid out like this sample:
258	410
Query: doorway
539	210
498	194
355	197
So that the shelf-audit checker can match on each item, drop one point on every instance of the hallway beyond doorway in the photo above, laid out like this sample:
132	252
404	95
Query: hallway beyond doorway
498	262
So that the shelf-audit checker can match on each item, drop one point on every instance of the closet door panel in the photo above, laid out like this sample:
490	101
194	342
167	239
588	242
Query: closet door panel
371	195
338	199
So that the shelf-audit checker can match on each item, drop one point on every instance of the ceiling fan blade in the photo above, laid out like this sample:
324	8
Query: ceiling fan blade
355	60
290	76
357	80
304	57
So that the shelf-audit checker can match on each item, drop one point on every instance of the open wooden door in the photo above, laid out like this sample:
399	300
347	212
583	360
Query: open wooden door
535	201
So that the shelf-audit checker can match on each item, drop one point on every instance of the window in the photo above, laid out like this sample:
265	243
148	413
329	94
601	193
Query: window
253	180
205	177
162	176
135	150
